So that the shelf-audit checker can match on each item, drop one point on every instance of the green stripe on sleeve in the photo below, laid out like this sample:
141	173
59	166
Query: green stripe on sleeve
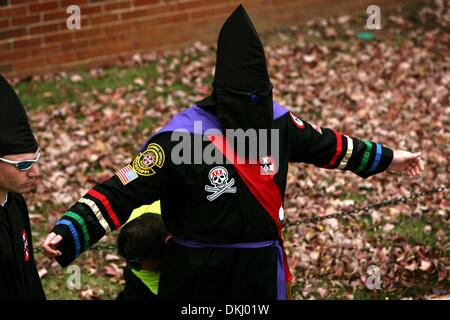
365	158
82	223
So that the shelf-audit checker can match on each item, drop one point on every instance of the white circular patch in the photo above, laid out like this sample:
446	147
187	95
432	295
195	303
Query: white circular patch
281	214
299	123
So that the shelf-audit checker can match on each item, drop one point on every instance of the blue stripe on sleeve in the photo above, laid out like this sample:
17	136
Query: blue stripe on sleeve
74	234
377	159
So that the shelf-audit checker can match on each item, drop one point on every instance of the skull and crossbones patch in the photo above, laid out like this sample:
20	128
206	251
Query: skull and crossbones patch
220	185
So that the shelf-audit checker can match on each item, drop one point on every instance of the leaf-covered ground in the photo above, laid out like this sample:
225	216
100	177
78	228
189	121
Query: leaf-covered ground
393	89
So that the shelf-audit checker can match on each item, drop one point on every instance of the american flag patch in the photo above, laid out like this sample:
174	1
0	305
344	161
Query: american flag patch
126	174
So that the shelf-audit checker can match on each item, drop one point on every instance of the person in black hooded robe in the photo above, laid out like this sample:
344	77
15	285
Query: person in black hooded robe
226	242
19	279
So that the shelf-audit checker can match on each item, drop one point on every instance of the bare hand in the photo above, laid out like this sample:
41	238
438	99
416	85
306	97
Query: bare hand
406	163
50	244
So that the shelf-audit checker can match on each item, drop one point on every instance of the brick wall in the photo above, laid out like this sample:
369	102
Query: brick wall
34	37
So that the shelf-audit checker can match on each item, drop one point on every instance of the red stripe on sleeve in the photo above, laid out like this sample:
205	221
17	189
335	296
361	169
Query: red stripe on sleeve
338	150
107	206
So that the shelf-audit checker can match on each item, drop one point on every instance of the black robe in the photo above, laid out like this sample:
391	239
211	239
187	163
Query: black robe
232	217
19	278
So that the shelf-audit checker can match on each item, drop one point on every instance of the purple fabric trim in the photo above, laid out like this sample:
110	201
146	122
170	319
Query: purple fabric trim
278	111
184	121
281	282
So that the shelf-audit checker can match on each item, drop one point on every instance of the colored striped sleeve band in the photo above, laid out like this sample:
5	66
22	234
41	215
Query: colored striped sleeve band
82	223
377	159
107	206
348	154
74	232
338	150
365	158
97	213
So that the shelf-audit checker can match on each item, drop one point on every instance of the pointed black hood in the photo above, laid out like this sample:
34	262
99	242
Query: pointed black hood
242	92
15	132
241	63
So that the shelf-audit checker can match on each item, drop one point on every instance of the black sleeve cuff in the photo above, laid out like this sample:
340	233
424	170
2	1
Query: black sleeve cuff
386	158
66	246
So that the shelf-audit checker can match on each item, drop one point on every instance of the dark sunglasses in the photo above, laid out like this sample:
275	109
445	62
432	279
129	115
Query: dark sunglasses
22	165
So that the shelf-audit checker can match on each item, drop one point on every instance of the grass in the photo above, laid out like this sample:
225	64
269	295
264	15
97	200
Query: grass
56	284
38	94
423	286
366	294
356	196
146	124
412	230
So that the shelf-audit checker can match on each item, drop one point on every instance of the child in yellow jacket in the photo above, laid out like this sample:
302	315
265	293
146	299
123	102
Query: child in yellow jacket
141	243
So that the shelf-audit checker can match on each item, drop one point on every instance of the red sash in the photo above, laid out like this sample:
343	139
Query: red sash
263	188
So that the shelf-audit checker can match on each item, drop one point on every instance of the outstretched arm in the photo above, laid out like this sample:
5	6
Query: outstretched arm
107	206
327	148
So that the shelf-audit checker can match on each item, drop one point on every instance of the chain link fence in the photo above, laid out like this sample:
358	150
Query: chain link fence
367	208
